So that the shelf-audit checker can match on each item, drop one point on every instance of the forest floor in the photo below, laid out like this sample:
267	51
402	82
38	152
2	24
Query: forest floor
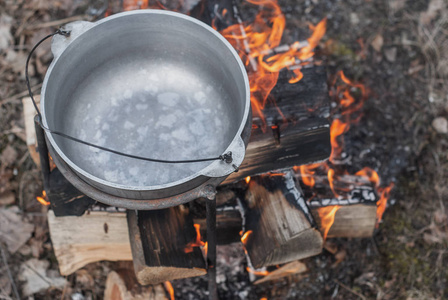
398	49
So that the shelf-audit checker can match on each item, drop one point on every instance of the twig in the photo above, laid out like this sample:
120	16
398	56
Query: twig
58	22
11	279
350	290
65	288
21	94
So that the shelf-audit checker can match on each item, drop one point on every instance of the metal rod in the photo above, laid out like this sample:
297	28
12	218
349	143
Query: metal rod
43	153
211	248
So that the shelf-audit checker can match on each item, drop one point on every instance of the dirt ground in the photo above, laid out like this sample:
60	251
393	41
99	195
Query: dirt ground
397	48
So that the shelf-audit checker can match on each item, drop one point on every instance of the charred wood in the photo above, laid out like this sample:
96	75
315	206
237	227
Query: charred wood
277	230
350	221
159	240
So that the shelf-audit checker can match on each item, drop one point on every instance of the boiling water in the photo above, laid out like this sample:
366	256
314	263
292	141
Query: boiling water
159	111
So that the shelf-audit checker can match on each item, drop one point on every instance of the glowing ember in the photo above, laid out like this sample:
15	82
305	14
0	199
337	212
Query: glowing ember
197	242
327	215
258	273
43	199
169	288
246	236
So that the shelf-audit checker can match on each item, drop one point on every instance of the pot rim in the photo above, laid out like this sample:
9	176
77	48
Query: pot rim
214	169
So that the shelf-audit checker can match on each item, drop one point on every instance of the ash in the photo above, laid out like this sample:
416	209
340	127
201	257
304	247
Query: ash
231	276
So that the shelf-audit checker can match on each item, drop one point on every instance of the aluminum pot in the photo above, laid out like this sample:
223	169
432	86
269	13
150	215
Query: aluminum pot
149	83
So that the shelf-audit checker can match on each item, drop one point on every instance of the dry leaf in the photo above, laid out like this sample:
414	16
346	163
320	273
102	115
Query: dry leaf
396	5
433	8
440	124
8	156
391	54
377	42
17	62
5	32
7	198
84	279
5	176
5	286
14	232
440	216
34	275
431	239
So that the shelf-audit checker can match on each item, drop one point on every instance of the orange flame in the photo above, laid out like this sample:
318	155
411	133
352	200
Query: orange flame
327	215
247	179
246	236
337	129
134	4
169	288
258	273
381	205
197	243
256	44
350	97
43	199
370	174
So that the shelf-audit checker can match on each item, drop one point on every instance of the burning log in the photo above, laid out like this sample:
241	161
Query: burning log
160	242
352	214
349	221
278	225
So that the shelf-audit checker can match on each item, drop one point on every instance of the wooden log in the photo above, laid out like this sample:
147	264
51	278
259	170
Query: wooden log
122	285
104	235
357	202
228	226
92	237
283	147
350	221
277	230
159	242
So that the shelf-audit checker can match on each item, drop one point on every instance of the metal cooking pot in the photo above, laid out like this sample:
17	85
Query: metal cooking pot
149	83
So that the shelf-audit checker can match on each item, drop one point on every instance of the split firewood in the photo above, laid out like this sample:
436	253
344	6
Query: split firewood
350	221
161	243
92	237
122	285
278	227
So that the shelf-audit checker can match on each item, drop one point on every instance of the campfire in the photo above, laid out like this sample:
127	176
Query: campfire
295	188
